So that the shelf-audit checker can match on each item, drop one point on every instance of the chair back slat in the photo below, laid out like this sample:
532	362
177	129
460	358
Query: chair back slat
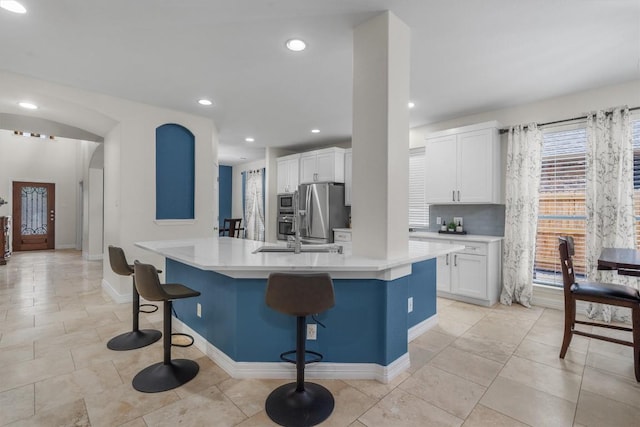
567	251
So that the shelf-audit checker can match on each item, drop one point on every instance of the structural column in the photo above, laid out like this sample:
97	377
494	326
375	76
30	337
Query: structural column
381	67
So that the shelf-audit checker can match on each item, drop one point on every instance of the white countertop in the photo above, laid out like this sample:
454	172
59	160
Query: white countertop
235	258
461	237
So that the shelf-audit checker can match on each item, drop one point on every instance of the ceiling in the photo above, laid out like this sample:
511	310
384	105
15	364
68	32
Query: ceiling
466	57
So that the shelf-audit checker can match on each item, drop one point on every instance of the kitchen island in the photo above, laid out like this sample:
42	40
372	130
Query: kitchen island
380	306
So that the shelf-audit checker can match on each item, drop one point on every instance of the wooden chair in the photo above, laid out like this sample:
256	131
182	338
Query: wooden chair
231	227
604	293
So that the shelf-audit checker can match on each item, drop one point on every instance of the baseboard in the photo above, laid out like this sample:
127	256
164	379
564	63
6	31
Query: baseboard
422	327
283	370
115	296
72	246
94	257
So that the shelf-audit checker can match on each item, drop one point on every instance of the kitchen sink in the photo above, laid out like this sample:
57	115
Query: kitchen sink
305	248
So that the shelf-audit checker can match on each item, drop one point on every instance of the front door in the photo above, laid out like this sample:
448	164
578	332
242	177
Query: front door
33	216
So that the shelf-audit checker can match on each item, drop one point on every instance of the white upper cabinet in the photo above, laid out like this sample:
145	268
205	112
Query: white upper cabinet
463	165
347	177
326	165
288	173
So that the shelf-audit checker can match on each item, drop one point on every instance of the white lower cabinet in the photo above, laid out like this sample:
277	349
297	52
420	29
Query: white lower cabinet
472	274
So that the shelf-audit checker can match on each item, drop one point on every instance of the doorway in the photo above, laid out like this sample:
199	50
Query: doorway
33	216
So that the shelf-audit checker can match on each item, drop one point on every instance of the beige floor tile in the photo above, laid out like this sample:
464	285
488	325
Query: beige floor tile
138	422
449	326
518	311
552	335
377	389
357	424
261	419
65	342
69	387
16	404
30	334
444	390
16	353
501	328
32	310
418	357
69	414
31	371
59	316
623	389
481	416
611	349
623	367
122	404
542	377
209	375
16	323
92	321
461	312
550	355
350	403
597	411
402	409
467	365
433	341
443	302
209	407
486	347
528	405
249	395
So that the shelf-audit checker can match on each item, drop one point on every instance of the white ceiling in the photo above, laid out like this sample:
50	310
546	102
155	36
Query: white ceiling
467	57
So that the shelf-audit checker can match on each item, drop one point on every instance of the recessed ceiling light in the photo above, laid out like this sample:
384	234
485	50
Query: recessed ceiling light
28	105
411	104
12	6
296	45
205	102
315	130
249	139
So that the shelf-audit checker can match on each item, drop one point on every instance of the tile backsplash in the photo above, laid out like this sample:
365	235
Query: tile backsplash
478	219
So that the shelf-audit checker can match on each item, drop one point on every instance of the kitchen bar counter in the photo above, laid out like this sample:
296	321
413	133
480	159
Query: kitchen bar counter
380	306
453	236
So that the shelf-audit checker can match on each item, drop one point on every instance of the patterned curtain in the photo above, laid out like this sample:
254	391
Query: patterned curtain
254	204
609	199
524	162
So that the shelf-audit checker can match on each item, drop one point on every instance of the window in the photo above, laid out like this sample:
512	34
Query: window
418	208
635	135
562	203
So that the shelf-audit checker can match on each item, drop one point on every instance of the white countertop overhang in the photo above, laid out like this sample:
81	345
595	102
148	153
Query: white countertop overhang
235	258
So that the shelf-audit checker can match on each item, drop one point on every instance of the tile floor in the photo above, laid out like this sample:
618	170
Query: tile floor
479	367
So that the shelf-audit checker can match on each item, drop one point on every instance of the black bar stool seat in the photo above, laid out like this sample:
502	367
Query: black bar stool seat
137	337
170	373
300	403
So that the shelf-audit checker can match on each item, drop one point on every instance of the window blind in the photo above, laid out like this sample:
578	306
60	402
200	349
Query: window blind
635	136
418	208
562	202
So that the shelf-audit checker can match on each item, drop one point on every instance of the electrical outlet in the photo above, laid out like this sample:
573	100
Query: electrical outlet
439	220
198	310
410	305
312	331
458	219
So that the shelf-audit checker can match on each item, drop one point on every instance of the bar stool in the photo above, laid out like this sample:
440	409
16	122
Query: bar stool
136	338
170	373
300	403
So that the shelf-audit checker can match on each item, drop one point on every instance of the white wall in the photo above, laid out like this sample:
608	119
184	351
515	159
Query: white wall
549	110
42	160
129	164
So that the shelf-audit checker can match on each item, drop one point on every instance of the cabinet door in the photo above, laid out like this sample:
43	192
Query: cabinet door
469	275
475	167
443	273
294	175
325	167
347	178
440	158
307	168
283	176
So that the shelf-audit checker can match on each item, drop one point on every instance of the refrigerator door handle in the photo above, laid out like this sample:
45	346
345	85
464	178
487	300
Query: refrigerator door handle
308	218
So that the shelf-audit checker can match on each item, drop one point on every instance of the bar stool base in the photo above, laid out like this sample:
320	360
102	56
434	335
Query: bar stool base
134	339
162	377
292	408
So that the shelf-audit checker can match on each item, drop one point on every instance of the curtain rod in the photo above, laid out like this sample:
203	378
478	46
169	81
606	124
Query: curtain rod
505	130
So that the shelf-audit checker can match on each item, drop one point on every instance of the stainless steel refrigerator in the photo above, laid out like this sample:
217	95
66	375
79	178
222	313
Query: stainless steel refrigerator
322	209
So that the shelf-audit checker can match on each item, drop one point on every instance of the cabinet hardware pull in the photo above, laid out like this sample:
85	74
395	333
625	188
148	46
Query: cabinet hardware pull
458	195
453	195
455	260
447	262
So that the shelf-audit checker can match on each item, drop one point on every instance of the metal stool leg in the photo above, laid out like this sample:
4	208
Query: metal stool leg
136	338
300	403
